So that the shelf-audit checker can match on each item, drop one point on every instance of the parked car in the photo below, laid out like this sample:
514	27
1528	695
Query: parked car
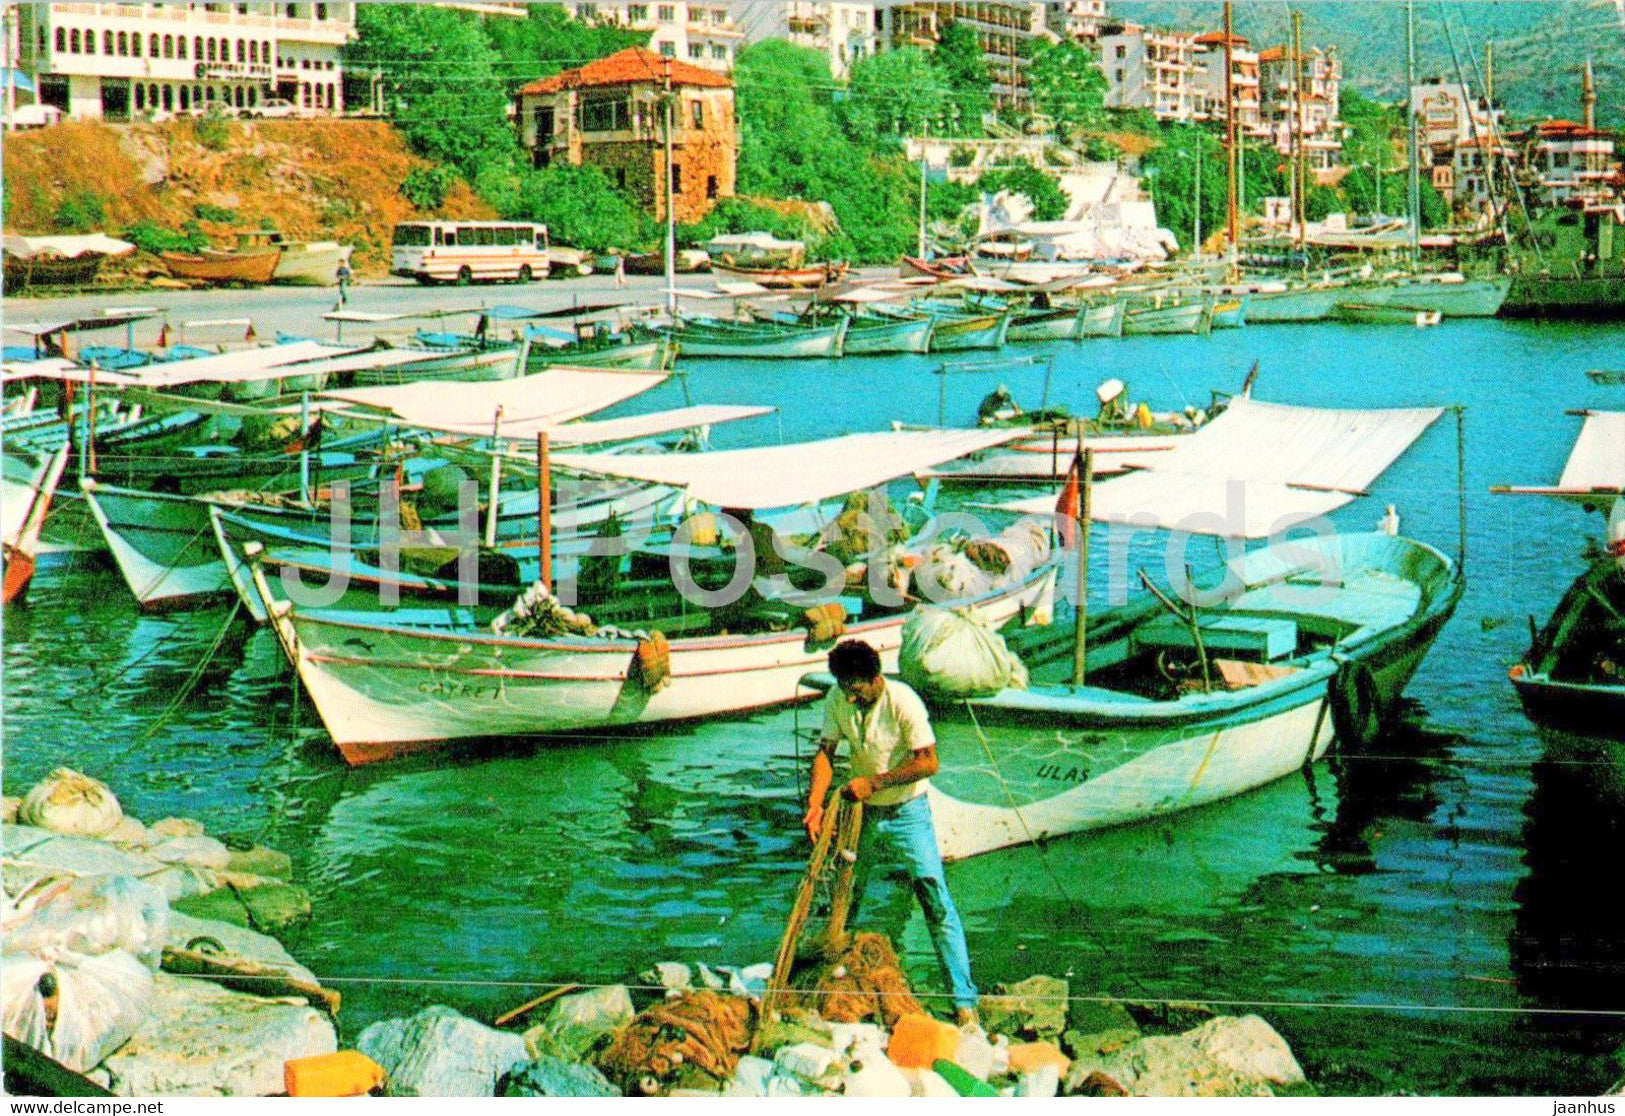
36	116
274	108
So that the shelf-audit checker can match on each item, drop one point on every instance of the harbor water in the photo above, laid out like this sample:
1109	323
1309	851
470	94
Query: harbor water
1435	915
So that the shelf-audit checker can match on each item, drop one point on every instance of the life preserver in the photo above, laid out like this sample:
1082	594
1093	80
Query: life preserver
1356	705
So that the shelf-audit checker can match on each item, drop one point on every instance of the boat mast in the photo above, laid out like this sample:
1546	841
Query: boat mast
1301	161
1085	462
1414	194
1232	211
922	199
671	211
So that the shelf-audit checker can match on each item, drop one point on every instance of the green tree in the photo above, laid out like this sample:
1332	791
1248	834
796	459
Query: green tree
892	94
958	58
580	207
549	39
1068	86
439	72
1049	200
1172	167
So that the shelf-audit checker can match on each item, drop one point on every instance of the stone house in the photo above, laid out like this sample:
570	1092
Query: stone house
610	114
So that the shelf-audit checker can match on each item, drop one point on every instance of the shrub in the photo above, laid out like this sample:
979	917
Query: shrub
80	211
213	130
149	236
426	187
961	156
219	214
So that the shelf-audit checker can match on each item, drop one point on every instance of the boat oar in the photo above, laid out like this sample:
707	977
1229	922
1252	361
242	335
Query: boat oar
531	1005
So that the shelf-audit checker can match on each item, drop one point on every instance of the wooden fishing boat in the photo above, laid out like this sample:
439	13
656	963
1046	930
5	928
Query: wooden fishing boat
1294	304
23	513
1451	295
1296	659
1365	313
784	278
252	265
1103	319
47	270
715	338
1054	324
1165	317
873	335
387	686
1230	313
943	267
1573	676
653	355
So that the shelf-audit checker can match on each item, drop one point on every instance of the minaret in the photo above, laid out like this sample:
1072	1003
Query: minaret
1588	97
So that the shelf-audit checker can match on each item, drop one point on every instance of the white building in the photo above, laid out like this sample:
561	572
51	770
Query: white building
1244	82
1315	119
1447	113
700	34
1076	19
846	32
126	61
1151	69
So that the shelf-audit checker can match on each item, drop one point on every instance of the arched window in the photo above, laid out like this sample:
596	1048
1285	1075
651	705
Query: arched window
242	97
152	97
154	45
90	42
140	98
265	51
242	51
254	96
197	47
73	41
123	44
180	46
253	50
169	97
135	44
211	50
304	93
107	42
62	39
186	95
169	46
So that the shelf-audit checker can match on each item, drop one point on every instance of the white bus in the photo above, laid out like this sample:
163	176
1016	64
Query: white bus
465	252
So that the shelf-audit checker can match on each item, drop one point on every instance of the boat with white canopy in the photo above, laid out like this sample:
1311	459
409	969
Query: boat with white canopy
389	685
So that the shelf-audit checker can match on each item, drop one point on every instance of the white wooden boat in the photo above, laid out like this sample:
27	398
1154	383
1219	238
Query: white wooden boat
22	516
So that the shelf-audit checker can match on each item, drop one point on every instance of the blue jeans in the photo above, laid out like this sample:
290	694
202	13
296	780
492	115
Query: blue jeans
904	835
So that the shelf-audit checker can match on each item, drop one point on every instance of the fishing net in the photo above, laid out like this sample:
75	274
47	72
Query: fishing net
700	1031
864	982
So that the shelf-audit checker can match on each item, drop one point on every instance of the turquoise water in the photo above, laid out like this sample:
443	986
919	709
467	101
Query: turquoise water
1432	917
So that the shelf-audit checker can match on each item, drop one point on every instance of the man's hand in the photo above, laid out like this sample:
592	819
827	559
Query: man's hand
860	788
813	821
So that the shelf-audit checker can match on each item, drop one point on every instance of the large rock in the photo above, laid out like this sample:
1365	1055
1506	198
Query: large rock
1250	1048
440	1053
556	1077
1035	1006
76	856
265	905
1159	1066
202	1040
232	941
577	1022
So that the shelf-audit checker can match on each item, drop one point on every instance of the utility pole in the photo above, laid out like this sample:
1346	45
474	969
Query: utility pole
1302	162
1414	198
671	207
1197	164
1232	210
8	61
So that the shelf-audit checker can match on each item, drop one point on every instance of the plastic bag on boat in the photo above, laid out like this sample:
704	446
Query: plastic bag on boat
77	1009
1026	545
91	915
67	802
949	653
946	574
536	613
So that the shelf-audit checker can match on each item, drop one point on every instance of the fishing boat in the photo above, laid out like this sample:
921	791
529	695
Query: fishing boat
1190	696
1103	319
250	265
1045	324
653	355
943	267
23	511
1292	304
303	263
784	278
1230	313
386	687
957	328
1365	313
712	337
1157	316
868	335
1451	295
1573	676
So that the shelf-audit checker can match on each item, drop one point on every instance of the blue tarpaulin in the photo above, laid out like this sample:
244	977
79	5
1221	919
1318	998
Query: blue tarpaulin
17	80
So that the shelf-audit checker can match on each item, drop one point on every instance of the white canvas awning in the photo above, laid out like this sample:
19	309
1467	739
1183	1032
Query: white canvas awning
1255	470
788	476
1596	464
632	427
243	364
529	404
65	371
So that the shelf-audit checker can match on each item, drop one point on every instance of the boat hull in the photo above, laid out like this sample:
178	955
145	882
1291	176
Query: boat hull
869	337
245	267
801	344
1046	326
1573	707
1188	317
315	264
1292	306
1475	298
1102	321
387	692
1559	296
640	356
160	544
953	335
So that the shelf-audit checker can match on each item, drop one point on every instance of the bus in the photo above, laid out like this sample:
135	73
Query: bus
464	252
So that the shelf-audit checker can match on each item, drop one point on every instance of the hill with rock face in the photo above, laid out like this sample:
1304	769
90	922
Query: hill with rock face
1540	45
312	179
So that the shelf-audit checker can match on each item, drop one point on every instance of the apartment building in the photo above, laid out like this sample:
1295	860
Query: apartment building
1078	20
1006	32
1318	91
129	61
609	114
1209	60
1153	69
1447	113
845	32
700	34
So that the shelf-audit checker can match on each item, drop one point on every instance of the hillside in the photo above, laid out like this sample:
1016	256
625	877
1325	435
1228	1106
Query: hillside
1540	45
312	179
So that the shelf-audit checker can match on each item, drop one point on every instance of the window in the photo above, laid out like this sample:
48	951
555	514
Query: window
666	13
197	48
265	51
1122	52
73	41
253	52
154	46
107	42
211	50
696	50
718	51
123	44
242	51
140	98
697	109
667	50
169	46
711	186
135	44
186	95
676	179
321	11
620	178
637	13
90	42
605	114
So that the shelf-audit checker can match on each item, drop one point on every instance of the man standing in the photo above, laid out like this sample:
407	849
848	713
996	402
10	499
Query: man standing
893	752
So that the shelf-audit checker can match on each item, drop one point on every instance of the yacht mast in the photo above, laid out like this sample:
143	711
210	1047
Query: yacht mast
1414	198
1233	213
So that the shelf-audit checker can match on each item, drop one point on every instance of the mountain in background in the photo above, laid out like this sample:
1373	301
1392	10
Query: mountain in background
1540	45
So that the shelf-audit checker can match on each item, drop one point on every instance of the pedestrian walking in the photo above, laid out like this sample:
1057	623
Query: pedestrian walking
343	274
620	270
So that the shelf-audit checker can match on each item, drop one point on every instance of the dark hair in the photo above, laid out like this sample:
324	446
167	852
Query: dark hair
854	661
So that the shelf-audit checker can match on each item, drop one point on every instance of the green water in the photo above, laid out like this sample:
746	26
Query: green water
1432	917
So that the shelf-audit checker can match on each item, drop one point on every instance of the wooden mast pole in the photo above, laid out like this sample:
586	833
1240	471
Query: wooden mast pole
1300	159
544	507
1232	213
1086	493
